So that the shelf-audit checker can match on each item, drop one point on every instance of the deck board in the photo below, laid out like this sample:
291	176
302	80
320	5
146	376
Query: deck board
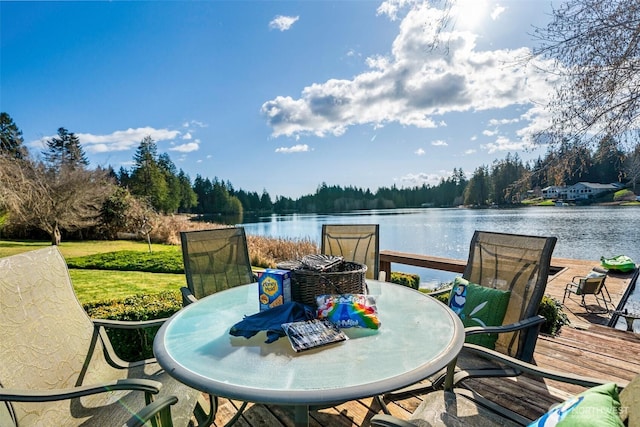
586	347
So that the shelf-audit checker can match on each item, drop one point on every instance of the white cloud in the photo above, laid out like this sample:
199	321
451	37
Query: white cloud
410	86
120	140
391	8
503	143
439	143
418	179
488	132
497	11
283	23
187	136
420	152
299	148
497	122
187	148
469	151
194	123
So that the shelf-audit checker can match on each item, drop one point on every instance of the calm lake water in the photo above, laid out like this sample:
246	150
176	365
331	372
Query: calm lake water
582	232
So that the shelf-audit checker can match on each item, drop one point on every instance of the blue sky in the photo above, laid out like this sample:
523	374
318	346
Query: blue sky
279	95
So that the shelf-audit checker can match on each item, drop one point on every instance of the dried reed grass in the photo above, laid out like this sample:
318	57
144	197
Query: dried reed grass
264	252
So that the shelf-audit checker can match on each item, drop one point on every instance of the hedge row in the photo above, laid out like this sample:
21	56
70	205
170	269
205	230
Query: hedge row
135	344
169	261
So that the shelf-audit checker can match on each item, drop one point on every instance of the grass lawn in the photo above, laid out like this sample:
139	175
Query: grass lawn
97	285
74	249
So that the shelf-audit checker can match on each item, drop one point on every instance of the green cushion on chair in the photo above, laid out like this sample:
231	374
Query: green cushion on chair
479	306
598	406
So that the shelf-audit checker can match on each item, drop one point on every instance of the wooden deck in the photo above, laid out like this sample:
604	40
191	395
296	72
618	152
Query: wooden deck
586	347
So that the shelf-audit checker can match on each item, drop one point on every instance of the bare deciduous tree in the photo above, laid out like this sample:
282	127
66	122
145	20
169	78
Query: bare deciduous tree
52	199
595	48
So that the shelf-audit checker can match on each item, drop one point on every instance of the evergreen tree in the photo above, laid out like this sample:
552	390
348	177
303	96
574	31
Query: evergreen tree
188	197
65	151
265	202
478	189
607	162
147	178
11	141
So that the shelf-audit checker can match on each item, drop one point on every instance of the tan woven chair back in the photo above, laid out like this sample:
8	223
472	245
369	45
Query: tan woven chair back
355	242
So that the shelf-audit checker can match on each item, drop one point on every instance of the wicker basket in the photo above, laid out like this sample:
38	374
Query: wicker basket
343	278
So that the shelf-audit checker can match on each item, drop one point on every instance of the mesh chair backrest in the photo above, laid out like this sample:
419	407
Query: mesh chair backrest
355	242
215	260
590	285
47	339
512	262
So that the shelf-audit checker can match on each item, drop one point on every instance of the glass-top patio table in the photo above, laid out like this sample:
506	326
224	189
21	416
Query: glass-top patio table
418	337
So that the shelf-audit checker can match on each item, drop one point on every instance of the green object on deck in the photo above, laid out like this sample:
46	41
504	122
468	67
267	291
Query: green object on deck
619	263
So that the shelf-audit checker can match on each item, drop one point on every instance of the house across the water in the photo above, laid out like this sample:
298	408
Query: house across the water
579	191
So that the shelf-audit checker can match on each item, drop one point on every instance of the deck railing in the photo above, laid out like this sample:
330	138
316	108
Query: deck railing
418	260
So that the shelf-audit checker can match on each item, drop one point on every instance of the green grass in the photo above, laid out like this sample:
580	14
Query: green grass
128	260
76	249
98	285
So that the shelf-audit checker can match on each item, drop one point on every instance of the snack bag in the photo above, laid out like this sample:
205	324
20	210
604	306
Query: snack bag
349	310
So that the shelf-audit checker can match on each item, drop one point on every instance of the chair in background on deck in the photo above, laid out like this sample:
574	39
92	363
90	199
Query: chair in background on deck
517	267
214	260
602	403
57	365
591	284
356	243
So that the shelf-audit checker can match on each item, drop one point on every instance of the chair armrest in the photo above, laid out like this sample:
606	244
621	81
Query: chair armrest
128	324
389	421
21	395
187	296
160	407
511	327
537	370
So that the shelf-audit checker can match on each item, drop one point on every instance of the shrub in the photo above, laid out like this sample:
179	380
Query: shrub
624	195
555	318
405	279
169	261
135	344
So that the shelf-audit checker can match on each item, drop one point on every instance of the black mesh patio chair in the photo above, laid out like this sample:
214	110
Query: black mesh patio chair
507	262
214	260
355	242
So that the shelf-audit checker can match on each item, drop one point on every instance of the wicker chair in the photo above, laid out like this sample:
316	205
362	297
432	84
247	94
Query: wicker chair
355	242
57	366
214	260
513	262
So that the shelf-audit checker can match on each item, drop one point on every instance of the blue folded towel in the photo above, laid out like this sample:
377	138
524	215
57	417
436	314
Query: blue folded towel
271	320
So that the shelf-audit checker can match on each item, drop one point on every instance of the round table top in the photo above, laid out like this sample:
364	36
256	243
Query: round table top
418	337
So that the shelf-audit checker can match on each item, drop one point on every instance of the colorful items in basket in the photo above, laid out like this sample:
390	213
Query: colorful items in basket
349	310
